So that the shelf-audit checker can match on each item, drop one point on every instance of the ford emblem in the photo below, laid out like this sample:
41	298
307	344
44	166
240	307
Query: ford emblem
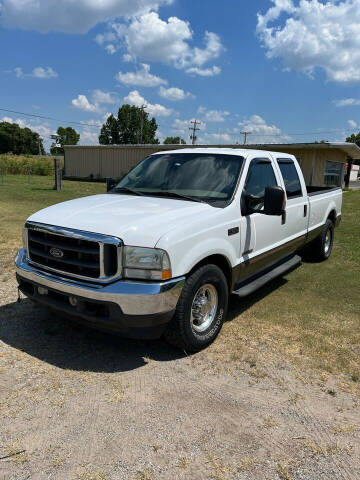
56	252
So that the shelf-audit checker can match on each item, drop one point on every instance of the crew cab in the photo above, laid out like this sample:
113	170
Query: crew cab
160	253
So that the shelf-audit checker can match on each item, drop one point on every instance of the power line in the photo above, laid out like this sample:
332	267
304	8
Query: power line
82	124
194	128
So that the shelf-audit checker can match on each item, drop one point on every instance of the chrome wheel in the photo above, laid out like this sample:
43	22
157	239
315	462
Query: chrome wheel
204	307
327	243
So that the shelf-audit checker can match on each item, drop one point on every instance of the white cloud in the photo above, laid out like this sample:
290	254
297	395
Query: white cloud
157	110
217	138
314	34
352	124
111	49
213	115
181	126
103	38
98	98
127	57
174	93
70	16
37	72
204	72
347	102
88	137
82	103
151	39
261	132
141	78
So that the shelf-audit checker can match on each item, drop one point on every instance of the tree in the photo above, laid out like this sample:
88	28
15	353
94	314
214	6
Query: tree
174	141
109	134
19	140
354	138
68	136
132	126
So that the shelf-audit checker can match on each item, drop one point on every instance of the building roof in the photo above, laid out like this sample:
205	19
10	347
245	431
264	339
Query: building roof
351	149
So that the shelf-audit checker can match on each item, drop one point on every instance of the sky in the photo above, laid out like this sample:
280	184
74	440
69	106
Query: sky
284	70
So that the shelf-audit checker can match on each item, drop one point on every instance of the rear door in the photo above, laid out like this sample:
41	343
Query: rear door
295	223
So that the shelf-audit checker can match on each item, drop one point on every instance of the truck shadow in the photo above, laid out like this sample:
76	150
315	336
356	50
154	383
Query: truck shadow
67	345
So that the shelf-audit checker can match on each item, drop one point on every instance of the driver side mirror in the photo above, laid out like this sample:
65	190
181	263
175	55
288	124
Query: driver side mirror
110	184
274	201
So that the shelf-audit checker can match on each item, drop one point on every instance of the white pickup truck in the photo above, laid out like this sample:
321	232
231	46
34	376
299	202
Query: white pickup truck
162	250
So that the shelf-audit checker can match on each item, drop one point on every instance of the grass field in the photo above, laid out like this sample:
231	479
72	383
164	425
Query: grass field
311	316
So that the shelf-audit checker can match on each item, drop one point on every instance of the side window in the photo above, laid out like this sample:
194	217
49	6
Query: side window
261	175
291	177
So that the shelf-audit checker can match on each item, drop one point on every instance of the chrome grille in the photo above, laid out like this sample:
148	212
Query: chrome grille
74	252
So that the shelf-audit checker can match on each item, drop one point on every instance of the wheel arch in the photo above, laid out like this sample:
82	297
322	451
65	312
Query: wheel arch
332	215
220	261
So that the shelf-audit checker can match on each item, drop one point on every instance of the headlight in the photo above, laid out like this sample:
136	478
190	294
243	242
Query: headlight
146	263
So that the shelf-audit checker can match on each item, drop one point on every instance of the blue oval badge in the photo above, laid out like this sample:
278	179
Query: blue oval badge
56	252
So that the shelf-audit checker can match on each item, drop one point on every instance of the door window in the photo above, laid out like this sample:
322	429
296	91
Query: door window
261	175
291	178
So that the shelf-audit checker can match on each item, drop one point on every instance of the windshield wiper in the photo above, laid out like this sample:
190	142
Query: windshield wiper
164	193
127	190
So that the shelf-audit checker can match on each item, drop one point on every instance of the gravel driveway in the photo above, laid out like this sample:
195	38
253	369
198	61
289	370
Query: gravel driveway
79	404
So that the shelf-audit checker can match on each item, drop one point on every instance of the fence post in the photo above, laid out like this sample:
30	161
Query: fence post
58	174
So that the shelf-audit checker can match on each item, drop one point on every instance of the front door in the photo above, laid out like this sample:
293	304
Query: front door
262	235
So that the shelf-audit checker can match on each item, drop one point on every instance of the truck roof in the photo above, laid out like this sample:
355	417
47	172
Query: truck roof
243	152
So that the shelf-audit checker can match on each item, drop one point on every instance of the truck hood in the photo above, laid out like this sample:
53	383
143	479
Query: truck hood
139	221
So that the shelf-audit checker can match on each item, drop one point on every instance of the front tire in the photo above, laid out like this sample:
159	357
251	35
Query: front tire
201	310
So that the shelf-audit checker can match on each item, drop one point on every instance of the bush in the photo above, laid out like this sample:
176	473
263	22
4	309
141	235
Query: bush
19	165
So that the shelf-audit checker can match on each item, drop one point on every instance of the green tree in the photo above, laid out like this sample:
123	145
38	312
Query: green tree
109	134
354	138
68	136
132	126
174	141
19	140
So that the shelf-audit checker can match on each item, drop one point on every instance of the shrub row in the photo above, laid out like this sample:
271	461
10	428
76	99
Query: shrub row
19	165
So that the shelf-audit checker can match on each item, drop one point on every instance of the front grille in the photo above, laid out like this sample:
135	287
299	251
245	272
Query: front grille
73	252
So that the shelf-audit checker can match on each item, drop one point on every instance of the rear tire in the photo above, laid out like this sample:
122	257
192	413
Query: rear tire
322	246
201	310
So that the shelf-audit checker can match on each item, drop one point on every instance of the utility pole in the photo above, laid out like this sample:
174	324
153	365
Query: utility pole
142	122
245	136
194	129
39	144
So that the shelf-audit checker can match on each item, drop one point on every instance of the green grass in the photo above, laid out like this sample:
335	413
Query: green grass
18	200
311	315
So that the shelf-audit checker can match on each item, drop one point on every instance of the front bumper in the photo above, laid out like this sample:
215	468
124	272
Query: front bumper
133	308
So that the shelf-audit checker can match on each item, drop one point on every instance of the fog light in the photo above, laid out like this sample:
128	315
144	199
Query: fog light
43	291
73	301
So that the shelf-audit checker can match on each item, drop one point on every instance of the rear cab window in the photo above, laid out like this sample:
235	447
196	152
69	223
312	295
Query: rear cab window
291	178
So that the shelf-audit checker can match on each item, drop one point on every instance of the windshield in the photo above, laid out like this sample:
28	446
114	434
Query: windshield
206	177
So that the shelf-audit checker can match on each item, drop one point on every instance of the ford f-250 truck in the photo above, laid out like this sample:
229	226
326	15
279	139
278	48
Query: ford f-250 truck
162	250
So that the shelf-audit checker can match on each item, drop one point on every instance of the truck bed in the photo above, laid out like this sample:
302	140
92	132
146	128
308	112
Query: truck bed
313	190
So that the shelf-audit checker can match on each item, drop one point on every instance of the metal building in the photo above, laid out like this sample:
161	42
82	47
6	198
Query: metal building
321	163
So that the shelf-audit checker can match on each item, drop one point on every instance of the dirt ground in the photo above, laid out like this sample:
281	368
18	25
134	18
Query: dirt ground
79	404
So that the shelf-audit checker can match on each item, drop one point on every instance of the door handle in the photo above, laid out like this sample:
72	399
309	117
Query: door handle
305	210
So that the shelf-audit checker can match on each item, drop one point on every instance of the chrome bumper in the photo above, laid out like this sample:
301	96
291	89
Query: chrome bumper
133	297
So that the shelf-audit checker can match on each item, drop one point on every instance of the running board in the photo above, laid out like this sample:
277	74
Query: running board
267	277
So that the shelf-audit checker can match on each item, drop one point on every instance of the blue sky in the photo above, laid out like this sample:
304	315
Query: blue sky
276	68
